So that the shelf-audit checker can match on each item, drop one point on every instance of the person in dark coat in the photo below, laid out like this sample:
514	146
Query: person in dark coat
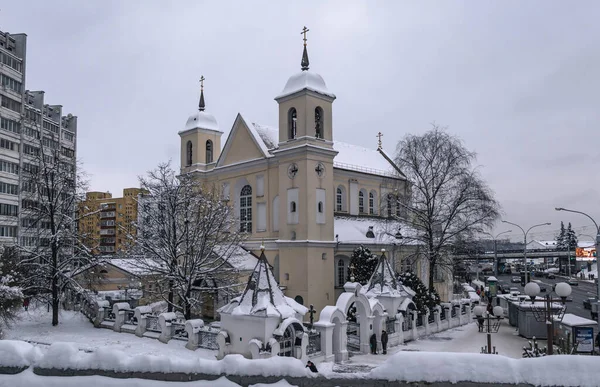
490	308
311	366
384	341
373	343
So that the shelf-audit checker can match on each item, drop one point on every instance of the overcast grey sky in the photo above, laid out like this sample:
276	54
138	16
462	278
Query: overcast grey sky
518	81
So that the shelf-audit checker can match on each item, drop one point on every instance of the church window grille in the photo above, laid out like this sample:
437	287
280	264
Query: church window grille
292	123
371	203
361	202
338	199
318	122
209	152
341	273
390	199
320	207
246	209
293	207
188	157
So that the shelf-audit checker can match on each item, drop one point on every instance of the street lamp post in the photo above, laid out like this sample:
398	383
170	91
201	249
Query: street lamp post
525	241
495	238
544	313
597	251
492	323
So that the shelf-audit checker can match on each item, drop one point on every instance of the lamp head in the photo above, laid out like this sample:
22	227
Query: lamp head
478	310
563	290
532	290
559	208
498	311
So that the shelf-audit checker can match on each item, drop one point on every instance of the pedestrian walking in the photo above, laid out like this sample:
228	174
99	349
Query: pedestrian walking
384	341
490	308
373	344
26	303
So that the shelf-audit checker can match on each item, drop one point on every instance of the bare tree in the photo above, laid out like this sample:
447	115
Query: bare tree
50	247
185	236
447	198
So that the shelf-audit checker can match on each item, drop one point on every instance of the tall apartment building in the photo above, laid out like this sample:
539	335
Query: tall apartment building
105	231
27	123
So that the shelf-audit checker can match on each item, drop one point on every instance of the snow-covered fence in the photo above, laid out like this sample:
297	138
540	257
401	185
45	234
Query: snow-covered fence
179	332
140	314
314	343
119	310
152	324
165	322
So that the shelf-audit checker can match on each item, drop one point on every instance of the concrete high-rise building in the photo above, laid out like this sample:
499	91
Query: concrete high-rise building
27	123
110	222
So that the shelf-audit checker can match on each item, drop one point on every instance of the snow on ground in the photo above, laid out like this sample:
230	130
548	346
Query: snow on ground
36	326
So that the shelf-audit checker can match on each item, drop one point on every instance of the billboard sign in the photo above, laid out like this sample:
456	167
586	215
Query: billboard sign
584	337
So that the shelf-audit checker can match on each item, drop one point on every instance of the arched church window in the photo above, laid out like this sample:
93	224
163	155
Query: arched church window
397	206
209	152
320	207
292	123
293	207
246	209
188	153
319	122
338	199
372	203
341	273
390	203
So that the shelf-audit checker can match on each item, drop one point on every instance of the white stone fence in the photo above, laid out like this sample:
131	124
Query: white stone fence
144	322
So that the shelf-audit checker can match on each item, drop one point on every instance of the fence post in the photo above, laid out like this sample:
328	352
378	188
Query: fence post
166	327
398	327
119	309
426	322
192	327
326	331
415	331
100	306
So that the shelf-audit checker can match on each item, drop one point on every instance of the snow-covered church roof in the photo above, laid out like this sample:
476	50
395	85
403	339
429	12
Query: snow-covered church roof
383	282
355	230
263	297
349	157
202	120
305	80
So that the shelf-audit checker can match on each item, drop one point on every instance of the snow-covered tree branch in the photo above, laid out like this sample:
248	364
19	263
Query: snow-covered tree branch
185	237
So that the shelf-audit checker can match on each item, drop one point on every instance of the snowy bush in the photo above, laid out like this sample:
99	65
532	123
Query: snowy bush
424	298
362	263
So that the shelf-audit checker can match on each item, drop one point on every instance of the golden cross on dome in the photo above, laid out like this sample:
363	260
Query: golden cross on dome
202	81
379	142
304	31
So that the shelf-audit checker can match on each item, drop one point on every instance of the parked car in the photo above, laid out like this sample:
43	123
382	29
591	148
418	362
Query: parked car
514	290
587	303
573	282
515	279
551	276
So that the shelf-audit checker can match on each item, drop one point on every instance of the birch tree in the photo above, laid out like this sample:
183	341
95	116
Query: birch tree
185	236
50	247
448	199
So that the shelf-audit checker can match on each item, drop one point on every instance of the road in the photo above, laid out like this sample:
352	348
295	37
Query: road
579	293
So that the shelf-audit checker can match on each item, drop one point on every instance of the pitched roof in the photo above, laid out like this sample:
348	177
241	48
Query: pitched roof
383	281
263	297
352	229
349	157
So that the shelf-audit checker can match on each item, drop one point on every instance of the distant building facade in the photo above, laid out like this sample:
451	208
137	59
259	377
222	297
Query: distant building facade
106	222
27	123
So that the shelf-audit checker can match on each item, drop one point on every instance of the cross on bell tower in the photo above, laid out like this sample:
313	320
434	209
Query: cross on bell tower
304	64
202	105
379	141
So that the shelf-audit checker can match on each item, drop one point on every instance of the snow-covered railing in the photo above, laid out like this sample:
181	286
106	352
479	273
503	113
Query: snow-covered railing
152	324
314	343
358	168
179	332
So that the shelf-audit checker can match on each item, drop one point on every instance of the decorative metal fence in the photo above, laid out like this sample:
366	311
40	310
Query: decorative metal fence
314	343
353	332
152	324
207	338
431	317
130	317
179	332
109	315
463	309
390	325
443	314
419	320
452	311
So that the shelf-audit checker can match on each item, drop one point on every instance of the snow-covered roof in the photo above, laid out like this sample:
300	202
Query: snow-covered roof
263	297
202	120
354	230
535	244
238	257
349	157
575	321
383	281
305	80
134	265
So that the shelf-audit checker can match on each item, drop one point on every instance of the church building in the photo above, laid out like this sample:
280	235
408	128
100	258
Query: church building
308	199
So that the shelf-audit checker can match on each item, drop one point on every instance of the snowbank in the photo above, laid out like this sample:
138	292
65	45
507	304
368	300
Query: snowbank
68	356
566	370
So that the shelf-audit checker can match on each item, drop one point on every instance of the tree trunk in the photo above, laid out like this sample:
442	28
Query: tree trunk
431	268
170	297
54	288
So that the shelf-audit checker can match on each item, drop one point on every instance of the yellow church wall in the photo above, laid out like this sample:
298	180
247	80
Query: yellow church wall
242	147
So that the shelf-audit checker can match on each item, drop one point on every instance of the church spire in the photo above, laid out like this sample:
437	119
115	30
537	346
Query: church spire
304	63
201	105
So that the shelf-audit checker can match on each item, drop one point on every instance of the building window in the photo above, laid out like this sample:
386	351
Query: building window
320	207
188	153
371	203
341	273
390	201
209	152
246	209
361	202
340	199
10	104
292	123
293	207
10	125
318	122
